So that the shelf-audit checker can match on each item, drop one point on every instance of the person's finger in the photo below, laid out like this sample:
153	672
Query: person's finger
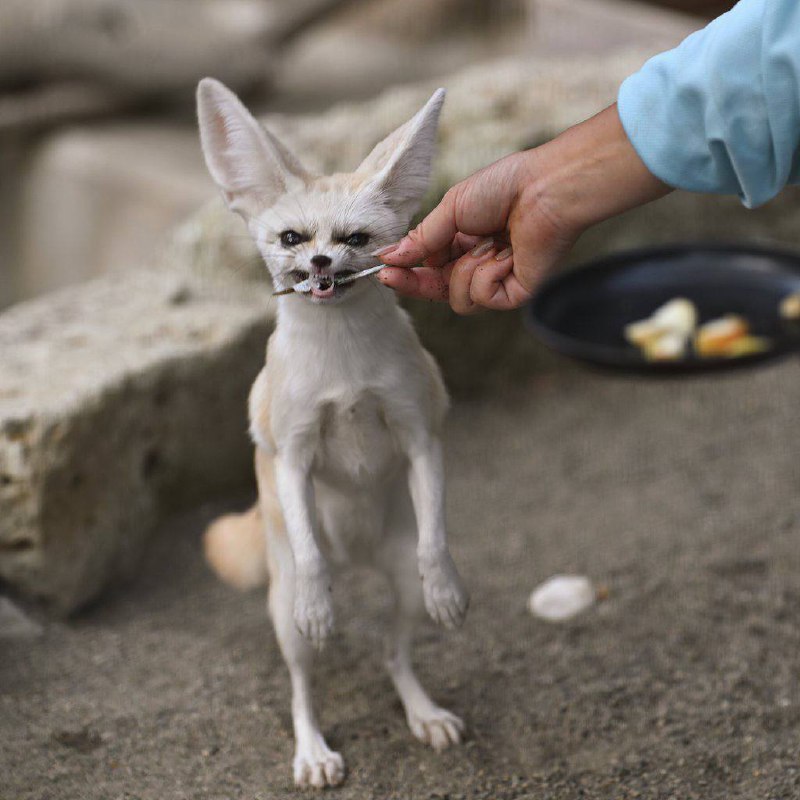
424	283
494	285
462	275
430	239
461	244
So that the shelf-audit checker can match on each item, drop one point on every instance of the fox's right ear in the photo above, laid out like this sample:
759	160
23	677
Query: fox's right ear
247	162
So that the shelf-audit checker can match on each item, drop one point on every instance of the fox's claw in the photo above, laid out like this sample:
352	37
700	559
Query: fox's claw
436	727
317	766
313	609
446	599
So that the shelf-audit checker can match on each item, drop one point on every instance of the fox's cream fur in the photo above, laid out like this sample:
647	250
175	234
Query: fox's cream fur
346	415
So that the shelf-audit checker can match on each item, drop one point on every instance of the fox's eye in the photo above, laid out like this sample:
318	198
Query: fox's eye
357	239
291	238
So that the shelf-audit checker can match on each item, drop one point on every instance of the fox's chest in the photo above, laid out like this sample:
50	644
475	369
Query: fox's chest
355	444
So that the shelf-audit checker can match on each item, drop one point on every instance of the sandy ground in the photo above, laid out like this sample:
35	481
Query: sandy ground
681	497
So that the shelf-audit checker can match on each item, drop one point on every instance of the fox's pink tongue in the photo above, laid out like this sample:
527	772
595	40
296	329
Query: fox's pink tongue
322	293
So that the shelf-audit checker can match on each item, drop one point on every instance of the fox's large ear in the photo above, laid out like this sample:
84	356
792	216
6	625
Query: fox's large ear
402	162
247	162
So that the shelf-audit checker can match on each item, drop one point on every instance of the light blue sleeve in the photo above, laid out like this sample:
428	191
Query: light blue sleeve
721	112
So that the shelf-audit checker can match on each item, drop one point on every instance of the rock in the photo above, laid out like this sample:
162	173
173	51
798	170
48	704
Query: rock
561	597
145	47
15	623
368	46
120	400
106	195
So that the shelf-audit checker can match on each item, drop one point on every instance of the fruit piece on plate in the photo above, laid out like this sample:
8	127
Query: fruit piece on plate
669	346
676	316
748	345
790	306
716	337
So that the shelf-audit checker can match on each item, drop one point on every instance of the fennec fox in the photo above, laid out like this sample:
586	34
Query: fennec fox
346	415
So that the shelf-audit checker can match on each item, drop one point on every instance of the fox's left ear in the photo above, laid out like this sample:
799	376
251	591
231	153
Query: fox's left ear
251	166
401	163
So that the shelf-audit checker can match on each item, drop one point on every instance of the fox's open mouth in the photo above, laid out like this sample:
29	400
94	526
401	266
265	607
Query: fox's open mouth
324	285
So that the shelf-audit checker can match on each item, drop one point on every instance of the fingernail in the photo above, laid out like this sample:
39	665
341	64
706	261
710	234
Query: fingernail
504	254
483	248
386	250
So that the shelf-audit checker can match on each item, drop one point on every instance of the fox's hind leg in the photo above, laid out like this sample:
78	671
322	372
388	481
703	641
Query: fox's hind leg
315	764
429	722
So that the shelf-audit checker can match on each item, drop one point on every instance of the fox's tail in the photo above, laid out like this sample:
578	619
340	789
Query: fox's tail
236	550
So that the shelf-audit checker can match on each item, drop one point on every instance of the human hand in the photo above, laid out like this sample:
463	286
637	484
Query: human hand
497	234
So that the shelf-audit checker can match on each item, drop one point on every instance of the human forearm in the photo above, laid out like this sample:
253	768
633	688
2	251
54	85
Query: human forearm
590	173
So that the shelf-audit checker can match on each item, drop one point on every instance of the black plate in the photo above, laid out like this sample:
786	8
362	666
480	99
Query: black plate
582	313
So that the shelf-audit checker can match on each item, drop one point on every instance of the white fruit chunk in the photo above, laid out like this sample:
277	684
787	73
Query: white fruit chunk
664	335
790	306
667	347
678	315
643	333
562	597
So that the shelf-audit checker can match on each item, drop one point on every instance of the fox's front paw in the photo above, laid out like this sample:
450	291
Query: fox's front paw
435	726
313	608
315	764
446	598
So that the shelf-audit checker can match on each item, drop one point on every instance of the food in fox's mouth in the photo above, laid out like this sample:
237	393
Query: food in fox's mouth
668	332
790	306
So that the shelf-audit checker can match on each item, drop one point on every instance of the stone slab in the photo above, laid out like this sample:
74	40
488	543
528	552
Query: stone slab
119	400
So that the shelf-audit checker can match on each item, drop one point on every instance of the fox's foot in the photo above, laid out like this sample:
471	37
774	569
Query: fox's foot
313	608
435	726
446	599
316	765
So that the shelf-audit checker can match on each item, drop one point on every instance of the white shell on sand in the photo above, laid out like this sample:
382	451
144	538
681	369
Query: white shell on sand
562	597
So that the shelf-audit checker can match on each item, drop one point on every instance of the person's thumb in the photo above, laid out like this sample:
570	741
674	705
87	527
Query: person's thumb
430	240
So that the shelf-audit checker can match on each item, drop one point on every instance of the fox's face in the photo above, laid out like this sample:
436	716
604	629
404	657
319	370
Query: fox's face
324	228
307	225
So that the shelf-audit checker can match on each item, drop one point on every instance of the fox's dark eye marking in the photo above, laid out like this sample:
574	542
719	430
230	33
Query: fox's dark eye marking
292	238
358	239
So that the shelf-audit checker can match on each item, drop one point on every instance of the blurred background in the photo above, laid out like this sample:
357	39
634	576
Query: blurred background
98	147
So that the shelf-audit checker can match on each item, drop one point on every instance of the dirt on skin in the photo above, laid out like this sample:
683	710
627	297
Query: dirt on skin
681	497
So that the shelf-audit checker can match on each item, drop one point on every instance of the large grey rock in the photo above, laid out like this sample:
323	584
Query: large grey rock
368	46
148	47
119	400
15	623
104	196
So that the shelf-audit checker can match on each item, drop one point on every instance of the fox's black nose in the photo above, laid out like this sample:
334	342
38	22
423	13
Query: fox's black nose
320	261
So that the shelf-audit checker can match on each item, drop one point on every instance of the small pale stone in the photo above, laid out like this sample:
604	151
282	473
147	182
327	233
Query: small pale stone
562	597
